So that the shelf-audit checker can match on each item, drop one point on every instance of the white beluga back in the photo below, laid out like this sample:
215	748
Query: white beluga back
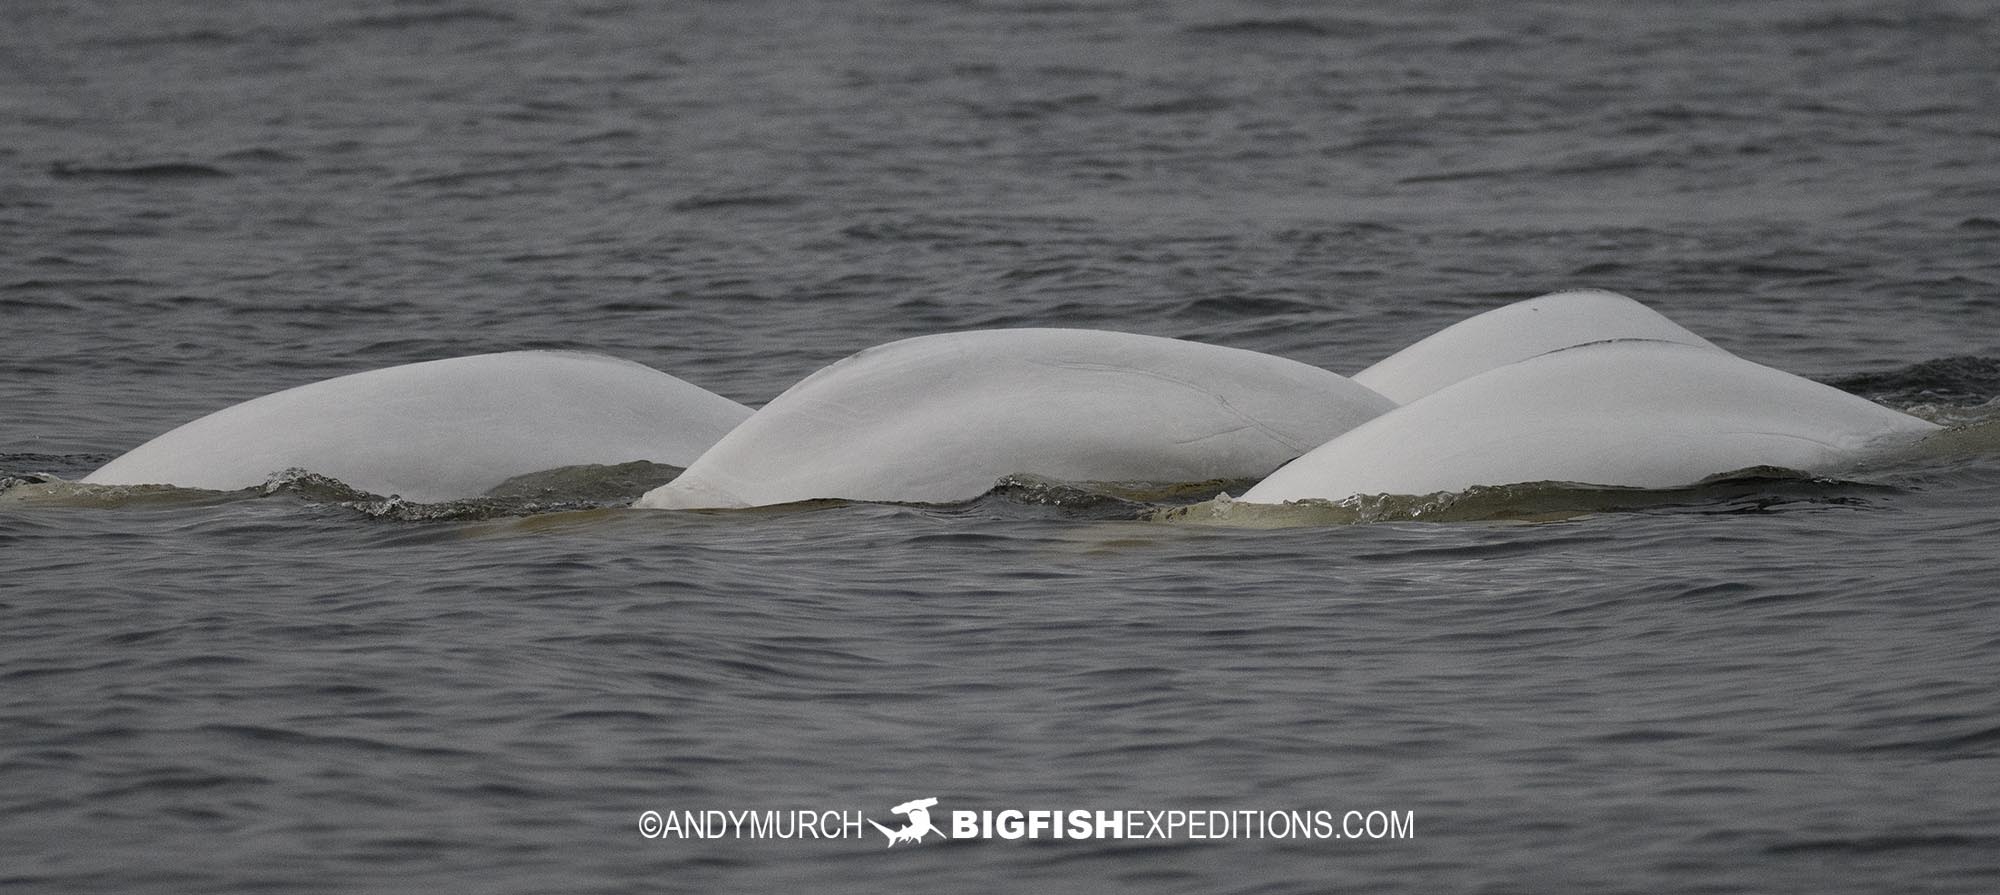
940	418
441	430
1641	414
1517	332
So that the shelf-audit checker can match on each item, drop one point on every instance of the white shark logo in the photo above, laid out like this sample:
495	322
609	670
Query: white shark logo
919	811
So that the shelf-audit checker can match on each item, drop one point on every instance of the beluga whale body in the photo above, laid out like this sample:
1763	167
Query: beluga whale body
1517	332
940	418
1620	413
441	430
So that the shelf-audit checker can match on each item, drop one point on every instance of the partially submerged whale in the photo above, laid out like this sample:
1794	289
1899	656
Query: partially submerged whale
1585	387
1517	332
1626	413
940	418
443	429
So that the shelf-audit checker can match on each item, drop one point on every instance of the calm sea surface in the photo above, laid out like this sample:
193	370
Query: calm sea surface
1775	684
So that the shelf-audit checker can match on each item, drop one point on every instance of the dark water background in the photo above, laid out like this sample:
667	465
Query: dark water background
1781	685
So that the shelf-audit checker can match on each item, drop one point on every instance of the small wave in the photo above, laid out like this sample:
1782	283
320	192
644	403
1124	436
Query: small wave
737	200
153	171
1755	490
52	491
565	489
1973	432
1461	175
1232	307
336	743
1869	845
399	21
1186	105
1934	22
463	178
198	37
1123	501
1591	166
1287	27
23	468
1774	270
1948	380
260	154
1485	43
179	782
949	230
1035	109
1103	500
569	490
1982	742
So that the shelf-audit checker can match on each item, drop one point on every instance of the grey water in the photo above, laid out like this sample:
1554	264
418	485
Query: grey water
1773	684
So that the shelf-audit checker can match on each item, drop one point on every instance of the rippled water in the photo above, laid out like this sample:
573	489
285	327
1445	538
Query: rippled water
1768	683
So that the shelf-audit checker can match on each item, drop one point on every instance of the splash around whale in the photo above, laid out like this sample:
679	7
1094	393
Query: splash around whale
441	430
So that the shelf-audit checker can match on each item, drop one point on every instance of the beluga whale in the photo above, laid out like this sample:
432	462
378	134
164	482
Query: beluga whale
1635	413
441	430
940	418
1517	332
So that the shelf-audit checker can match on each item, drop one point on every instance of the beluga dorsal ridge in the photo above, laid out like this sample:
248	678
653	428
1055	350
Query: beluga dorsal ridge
441	430
940	418
1626	413
1517	332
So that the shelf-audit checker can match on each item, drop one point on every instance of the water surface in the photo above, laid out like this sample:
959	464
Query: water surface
1777	684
